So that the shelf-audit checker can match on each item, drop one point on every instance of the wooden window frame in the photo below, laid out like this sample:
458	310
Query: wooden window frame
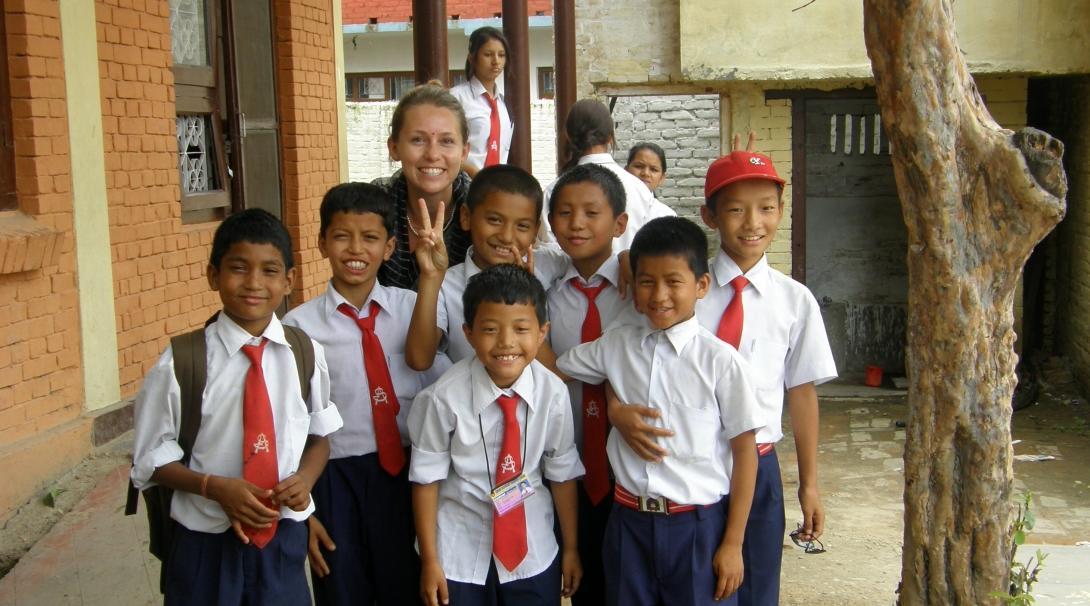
541	72
352	88
200	90
8	198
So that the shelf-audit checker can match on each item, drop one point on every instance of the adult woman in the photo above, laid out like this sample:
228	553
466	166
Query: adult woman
648	162
428	136
590	138
481	95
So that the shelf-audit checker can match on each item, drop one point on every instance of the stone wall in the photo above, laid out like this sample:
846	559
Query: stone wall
687	129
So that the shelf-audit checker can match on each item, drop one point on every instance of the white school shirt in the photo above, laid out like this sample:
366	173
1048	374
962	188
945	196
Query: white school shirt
447	424
640	203
783	336
702	388
343	343
549	264
479	116
218	447
568	309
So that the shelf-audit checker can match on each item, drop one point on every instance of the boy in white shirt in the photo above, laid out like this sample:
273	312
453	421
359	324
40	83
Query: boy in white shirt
485	436
362	539
776	325
241	501
586	214
502	212
674	535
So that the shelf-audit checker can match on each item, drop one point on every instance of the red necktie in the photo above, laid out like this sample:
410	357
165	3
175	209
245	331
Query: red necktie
259	465
596	482
509	530
730	325
384	404
492	154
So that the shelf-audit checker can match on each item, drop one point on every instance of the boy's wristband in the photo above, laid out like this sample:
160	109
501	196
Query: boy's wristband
204	485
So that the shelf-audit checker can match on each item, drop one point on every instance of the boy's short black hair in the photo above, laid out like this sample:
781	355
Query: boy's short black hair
609	183
358	198
507	179
253	225
506	284
671	236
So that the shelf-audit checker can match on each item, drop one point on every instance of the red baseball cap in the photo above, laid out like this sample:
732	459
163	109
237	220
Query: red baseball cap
736	166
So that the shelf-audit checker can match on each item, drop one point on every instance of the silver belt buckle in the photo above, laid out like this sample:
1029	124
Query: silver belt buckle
653	505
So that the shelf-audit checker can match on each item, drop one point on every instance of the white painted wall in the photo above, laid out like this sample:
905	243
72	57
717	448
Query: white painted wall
393	51
368	126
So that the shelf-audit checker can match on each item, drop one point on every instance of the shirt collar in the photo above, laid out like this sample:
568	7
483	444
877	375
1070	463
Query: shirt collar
725	270
678	335
609	271
485	391
234	336
333	299
602	158
469	266
478	88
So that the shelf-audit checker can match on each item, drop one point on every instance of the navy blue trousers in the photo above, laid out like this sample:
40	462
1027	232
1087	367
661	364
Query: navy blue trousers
205	568
368	514
762	551
592	531
539	590
658	560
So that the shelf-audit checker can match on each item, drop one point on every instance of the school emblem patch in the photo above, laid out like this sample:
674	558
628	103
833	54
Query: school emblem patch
261	444
508	465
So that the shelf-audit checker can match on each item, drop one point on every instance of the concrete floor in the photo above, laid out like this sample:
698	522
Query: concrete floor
96	555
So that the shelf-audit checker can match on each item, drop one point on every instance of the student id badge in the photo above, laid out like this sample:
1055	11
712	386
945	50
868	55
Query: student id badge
511	494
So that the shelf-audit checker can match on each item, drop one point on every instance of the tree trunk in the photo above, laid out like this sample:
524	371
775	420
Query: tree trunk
976	199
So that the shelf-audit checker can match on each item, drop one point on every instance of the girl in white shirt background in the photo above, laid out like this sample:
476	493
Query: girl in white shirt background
483	90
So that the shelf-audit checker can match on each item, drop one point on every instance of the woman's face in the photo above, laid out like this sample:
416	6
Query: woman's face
430	148
647	167
489	61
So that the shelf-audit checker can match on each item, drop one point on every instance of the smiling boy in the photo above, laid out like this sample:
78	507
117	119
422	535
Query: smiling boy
241	499
675	533
362	531
493	422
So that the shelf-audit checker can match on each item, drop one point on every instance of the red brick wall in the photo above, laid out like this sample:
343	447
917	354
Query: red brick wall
398	11
40	381
307	99
158	264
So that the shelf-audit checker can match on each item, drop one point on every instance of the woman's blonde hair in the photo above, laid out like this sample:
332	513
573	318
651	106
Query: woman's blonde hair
432	93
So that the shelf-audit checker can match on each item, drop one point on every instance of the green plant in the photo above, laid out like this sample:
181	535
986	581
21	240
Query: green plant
1023	575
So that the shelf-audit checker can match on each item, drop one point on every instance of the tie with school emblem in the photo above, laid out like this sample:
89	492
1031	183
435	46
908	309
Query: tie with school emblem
596	482
730	325
509	530
259	465
384	404
492	154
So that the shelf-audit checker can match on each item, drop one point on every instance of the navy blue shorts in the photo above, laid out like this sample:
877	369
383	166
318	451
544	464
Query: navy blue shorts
368	514
654	559
542	589
205	568
762	551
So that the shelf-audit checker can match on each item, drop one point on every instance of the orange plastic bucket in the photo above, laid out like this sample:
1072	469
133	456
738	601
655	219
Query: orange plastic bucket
873	377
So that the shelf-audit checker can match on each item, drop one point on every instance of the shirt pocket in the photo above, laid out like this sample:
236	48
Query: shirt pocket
766	358
696	431
407	382
298	429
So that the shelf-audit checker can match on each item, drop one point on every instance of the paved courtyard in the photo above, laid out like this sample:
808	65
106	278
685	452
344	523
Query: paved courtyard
95	555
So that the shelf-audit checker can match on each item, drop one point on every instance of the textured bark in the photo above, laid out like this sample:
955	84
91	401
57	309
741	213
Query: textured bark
976	199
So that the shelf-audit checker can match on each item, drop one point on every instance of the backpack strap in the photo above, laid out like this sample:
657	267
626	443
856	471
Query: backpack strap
303	350
190	369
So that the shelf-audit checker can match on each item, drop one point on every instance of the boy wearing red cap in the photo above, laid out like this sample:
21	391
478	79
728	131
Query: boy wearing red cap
776	325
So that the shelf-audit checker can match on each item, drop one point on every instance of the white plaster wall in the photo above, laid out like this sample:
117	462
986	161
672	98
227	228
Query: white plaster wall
393	52
368	126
